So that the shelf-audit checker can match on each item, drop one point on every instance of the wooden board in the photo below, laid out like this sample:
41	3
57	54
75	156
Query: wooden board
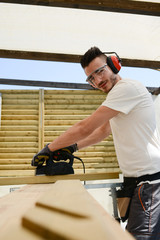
15	204
65	211
126	6
51	179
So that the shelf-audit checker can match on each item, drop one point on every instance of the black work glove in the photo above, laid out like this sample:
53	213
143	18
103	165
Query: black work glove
64	153
44	155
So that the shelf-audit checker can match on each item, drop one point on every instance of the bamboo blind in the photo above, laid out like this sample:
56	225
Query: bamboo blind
32	118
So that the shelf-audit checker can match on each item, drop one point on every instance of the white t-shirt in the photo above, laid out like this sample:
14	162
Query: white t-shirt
134	129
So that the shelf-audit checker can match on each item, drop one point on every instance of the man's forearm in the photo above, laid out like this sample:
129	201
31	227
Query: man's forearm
71	136
97	136
81	130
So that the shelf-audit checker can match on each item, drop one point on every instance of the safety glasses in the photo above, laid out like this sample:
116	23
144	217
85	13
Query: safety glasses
99	72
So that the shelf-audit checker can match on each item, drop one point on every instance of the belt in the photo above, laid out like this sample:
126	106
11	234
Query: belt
137	180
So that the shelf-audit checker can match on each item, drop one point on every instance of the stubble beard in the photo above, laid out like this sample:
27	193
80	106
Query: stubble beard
112	81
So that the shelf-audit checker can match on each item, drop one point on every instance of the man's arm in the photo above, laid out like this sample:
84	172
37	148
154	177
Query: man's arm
84	128
97	136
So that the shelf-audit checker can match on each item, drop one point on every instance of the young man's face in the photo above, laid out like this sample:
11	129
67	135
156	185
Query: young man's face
100	75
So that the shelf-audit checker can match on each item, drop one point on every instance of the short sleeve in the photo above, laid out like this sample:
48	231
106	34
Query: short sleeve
124	96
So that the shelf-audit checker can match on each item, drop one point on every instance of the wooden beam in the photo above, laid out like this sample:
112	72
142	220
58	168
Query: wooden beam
44	56
64	210
52	179
124	6
16	204
78	217
152	90
75	58
45	84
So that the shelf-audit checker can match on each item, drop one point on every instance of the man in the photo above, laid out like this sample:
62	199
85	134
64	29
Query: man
128	113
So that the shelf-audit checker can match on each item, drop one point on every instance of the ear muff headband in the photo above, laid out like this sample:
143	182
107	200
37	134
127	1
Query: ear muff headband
114	62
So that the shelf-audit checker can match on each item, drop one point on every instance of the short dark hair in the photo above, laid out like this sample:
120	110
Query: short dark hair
91	54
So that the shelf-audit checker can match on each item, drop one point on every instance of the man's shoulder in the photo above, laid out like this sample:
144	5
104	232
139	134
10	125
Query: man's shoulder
127	85
129	81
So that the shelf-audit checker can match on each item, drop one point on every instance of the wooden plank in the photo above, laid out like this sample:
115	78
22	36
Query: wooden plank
76	107
20	95
20	122
65	117
15	204
58	84
18	232
61	190
20	117
80	215
51	179
18	144
16	155
18	133
86	160
31	172
19	112
92	101
98	148
15	161
77	165
44	83
19	91
99	151
124	6
16	173
19	139
16	167
63	58
60	122
96	165
50	138
20	102
98	159
81	96
60	129
21	107
74	93
18	150
19	128
66	111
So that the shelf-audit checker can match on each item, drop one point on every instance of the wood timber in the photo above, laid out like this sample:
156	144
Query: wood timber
15	204
64	211
124	6
75	58
55	85
51	179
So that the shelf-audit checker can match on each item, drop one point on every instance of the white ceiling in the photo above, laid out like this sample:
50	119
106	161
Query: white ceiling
73	31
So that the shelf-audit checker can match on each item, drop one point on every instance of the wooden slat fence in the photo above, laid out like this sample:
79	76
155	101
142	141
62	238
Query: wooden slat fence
32	118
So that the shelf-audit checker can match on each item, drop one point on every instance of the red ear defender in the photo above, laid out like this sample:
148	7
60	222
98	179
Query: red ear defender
114	62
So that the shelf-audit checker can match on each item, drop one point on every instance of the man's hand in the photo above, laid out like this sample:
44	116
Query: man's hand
63	153
71	149
44	155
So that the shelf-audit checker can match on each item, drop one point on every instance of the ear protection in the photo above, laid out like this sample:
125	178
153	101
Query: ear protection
114	62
